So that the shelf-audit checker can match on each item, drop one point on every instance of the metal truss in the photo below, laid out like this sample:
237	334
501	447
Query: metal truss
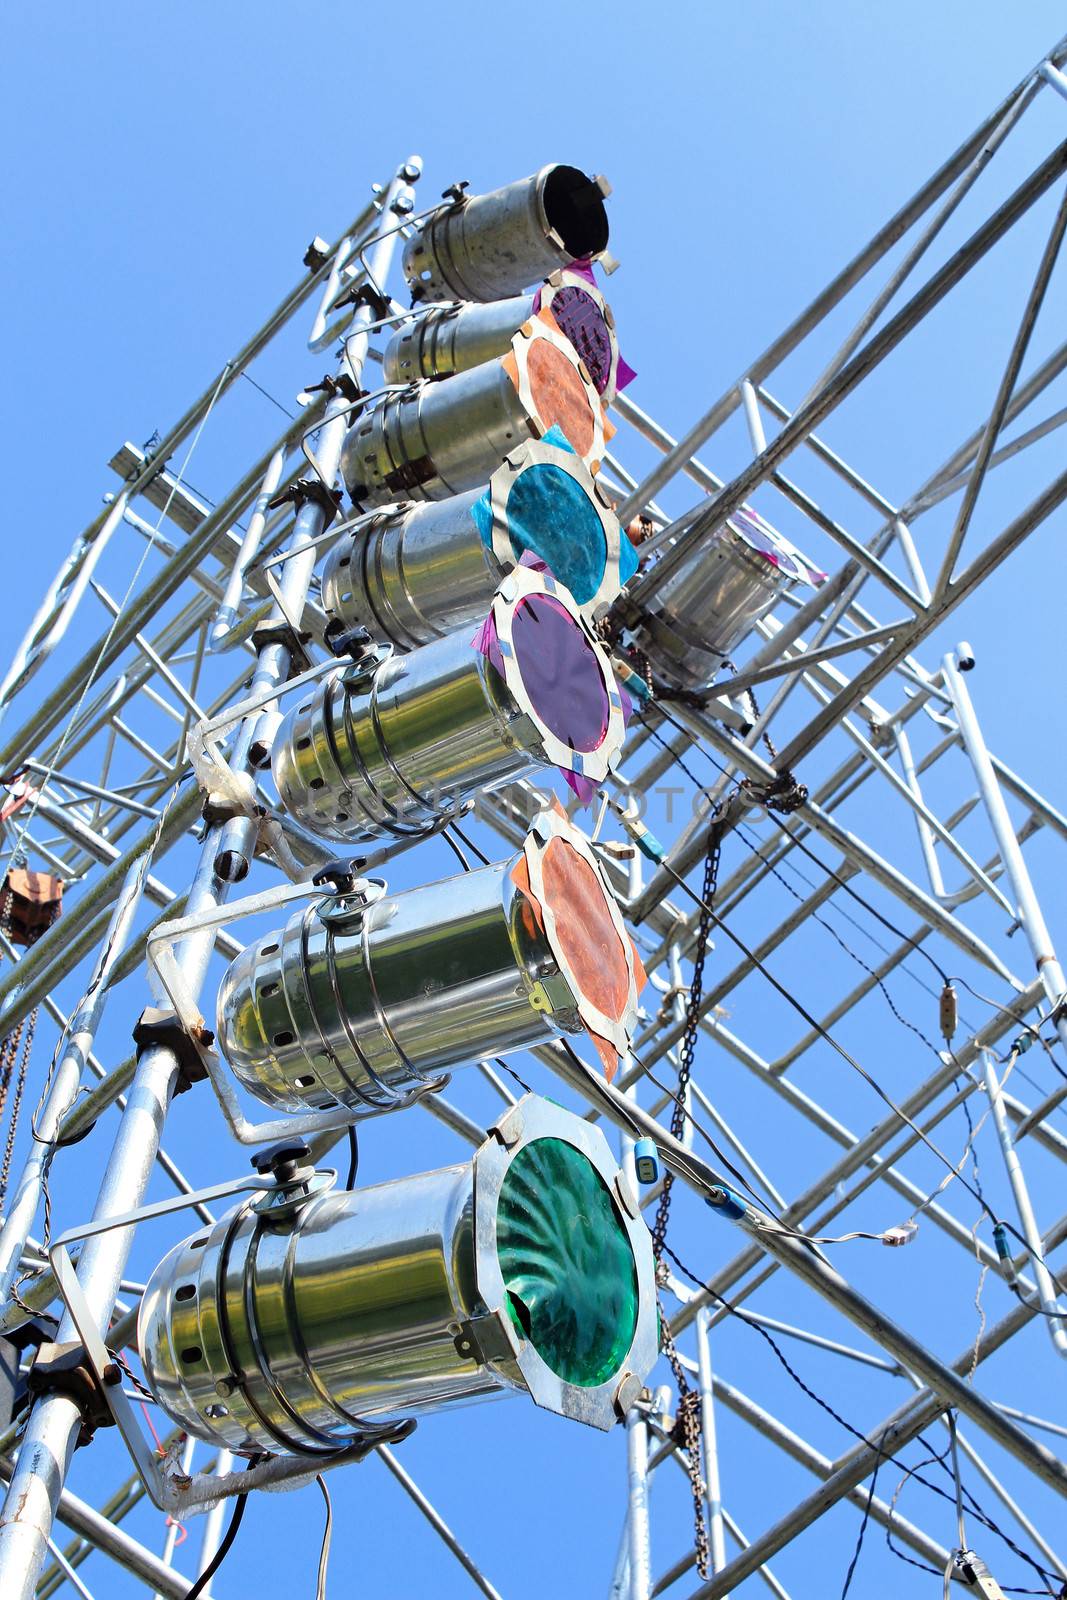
913	848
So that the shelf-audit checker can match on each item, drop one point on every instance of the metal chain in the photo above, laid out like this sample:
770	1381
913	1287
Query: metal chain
687	1427
9	1054
16	1104
687	1433
687	1051
10	1043
784	793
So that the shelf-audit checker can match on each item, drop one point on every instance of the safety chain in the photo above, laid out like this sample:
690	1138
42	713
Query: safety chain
10	1054
687	1428
687	1433
687	1051
784	793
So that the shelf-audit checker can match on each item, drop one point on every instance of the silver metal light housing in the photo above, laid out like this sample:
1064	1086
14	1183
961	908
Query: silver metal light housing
366	1005
454	338
487	246
387	749
417	573
436	439
528	1269
716	596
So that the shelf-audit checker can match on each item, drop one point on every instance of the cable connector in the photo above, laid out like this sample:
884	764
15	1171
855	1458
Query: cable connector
1004	1256
645	841
903	1234
973	1570
614	849
337	384
726	1203
630	679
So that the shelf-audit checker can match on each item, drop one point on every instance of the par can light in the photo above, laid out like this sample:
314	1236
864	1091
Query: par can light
488	246
297	1318
419	572
454	338
717	596
433	440
389	747
365	1005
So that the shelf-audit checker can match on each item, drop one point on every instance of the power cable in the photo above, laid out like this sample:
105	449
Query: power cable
353	1157
855	895
470	844
268	396
864	1520
741	786
446	834
497	1061
880	1453
224	1548
823	1032
327	1537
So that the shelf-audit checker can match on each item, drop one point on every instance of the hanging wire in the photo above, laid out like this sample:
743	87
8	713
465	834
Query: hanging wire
90	677
877	1446
327	1537
226	1545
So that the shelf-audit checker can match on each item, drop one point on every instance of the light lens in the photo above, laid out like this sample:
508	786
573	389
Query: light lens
553	516
559	395
581	320
560	672
567	1263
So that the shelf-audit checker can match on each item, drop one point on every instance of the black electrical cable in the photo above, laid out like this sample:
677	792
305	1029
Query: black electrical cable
880	1454
353	1157
267	395
446	834
512	1074
709	1141
470	844
1028	1026
819	862
863	1530
904	1021
885	921
825	1034
770	866
851	1060
223	1550
846	1056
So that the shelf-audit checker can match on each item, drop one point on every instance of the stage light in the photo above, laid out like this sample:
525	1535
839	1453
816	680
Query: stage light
387	748
717	596
487	246
417	573
453	338
365	1003
435	439
297	1316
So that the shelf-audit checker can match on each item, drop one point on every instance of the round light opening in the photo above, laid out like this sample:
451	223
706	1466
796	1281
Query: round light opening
559	395
574	207
567	1263
581	321
560	672
552	515
584	931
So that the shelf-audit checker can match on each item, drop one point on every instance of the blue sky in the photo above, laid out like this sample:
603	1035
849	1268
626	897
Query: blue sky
167	168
